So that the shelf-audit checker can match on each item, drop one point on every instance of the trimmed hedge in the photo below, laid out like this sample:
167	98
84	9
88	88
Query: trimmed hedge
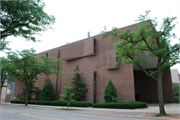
55	103
126	105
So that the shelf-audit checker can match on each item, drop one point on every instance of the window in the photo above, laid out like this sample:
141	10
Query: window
94	46
94	88
117	58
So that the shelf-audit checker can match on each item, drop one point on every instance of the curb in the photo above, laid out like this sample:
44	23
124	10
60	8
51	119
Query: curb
151	118
125	116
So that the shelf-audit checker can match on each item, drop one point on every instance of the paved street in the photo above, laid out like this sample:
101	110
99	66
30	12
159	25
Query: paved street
41	112
8	112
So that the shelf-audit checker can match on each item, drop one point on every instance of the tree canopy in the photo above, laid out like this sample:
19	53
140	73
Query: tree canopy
4	75
24	18
25	66
144	38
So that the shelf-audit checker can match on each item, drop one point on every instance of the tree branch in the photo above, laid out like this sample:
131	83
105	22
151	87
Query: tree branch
169	55
2	36
142	69
25	24
145	71
165	29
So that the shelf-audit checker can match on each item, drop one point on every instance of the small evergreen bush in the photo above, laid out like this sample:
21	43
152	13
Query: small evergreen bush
110	94
47	92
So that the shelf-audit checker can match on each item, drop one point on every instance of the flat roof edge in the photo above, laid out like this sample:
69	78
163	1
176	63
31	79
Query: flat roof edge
86	38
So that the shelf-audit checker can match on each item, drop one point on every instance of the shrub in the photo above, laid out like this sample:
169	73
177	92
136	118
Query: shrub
110	94
47	92
55	103
79	89
18	101
126	105
176	88
176	99
81	104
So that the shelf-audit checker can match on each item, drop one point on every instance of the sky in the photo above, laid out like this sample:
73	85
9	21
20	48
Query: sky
74	18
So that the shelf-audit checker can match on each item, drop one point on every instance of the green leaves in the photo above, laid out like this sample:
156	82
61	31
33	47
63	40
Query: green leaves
110	94
176	89
79	86
25	66
51	65
144	44
144	40
47	92
67	96
4	75
24	18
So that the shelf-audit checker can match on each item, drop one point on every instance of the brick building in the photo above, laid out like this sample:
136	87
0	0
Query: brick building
95	58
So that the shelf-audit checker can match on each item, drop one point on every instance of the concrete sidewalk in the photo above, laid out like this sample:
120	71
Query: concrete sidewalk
173	111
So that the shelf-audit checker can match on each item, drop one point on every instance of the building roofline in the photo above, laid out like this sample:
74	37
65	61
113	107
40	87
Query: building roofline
85	38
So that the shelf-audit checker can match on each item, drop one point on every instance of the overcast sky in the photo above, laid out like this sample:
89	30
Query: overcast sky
76	17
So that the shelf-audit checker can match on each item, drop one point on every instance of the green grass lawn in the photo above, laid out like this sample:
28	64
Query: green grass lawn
69	109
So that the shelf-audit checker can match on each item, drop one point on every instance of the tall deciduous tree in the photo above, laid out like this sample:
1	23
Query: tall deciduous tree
32	89
79	89
144	37
4	75
23	18
25	67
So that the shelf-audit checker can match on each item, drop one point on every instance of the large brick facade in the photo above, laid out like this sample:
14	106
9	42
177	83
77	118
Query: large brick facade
95	59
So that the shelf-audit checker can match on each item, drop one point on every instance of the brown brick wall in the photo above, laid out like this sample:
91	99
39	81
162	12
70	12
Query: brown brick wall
8	97
110	60
78	50
89	47
73	51
87	78
100	62
146	87
18	89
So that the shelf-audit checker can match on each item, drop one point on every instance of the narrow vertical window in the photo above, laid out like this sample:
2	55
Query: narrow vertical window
94	46
46	54
117	58
94	88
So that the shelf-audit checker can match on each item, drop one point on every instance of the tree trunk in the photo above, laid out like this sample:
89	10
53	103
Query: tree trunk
2	84
160	96
27	91
1	90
